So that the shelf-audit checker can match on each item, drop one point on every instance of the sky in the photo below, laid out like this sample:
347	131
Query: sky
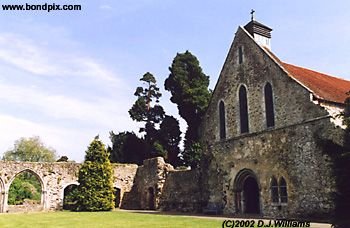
67	76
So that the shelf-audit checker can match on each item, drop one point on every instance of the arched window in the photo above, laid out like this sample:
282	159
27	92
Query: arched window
222	120
283	190
274	190
240	55
270	115
243	109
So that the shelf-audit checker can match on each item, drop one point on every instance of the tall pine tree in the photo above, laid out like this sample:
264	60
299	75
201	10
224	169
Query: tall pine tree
146	109
95	190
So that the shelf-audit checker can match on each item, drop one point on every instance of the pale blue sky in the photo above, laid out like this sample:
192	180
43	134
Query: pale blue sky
68	76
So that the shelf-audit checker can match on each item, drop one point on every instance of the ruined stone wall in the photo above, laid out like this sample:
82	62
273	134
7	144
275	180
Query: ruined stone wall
148	185
153	185
291	149
182	192
54	178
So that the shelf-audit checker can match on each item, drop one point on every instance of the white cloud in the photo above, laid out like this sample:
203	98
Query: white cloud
40	59
101	111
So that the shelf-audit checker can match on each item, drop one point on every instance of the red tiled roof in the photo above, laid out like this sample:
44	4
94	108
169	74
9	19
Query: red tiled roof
323	86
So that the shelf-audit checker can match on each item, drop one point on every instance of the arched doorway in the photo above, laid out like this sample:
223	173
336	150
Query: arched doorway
151	203
69	199
247	192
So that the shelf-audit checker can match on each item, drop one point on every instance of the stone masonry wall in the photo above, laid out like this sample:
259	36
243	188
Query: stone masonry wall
182	192
293	148
148	185
153	185
54	178
295	153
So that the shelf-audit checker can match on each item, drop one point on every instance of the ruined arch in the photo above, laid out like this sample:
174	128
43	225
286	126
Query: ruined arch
68	188
38	177
247	192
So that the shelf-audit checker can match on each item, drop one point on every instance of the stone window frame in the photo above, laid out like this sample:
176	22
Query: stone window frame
265	106
224	136
281	191
239	109
274	190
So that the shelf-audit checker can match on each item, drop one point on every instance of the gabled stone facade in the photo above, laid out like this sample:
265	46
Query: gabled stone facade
277	167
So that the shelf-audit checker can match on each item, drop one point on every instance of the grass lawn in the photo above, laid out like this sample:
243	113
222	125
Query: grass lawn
102	219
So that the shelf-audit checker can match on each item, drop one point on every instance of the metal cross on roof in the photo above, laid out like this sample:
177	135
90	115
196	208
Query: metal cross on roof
252	13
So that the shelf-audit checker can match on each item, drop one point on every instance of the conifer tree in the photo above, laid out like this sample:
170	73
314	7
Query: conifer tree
189	89
95	190
146	109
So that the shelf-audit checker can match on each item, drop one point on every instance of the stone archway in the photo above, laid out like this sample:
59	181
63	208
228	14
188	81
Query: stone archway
68	199
247	192
30	205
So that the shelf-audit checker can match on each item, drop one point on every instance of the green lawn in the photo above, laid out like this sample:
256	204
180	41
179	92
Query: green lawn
102	219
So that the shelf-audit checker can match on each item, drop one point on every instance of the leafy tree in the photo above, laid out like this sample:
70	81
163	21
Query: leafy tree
342	172
95	190
127	148
144	110
189	89
30	149
24	186
170	136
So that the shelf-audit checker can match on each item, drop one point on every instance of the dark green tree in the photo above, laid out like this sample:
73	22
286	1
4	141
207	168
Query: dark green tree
127	148
95	190
342	172
30	149
146	109
169	137
189	89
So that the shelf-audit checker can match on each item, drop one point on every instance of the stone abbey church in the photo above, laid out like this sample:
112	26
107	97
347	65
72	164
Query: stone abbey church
266	140
265	130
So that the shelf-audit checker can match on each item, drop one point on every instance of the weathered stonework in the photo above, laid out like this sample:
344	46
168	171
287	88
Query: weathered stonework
154	185
294	148
54	178
182	192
